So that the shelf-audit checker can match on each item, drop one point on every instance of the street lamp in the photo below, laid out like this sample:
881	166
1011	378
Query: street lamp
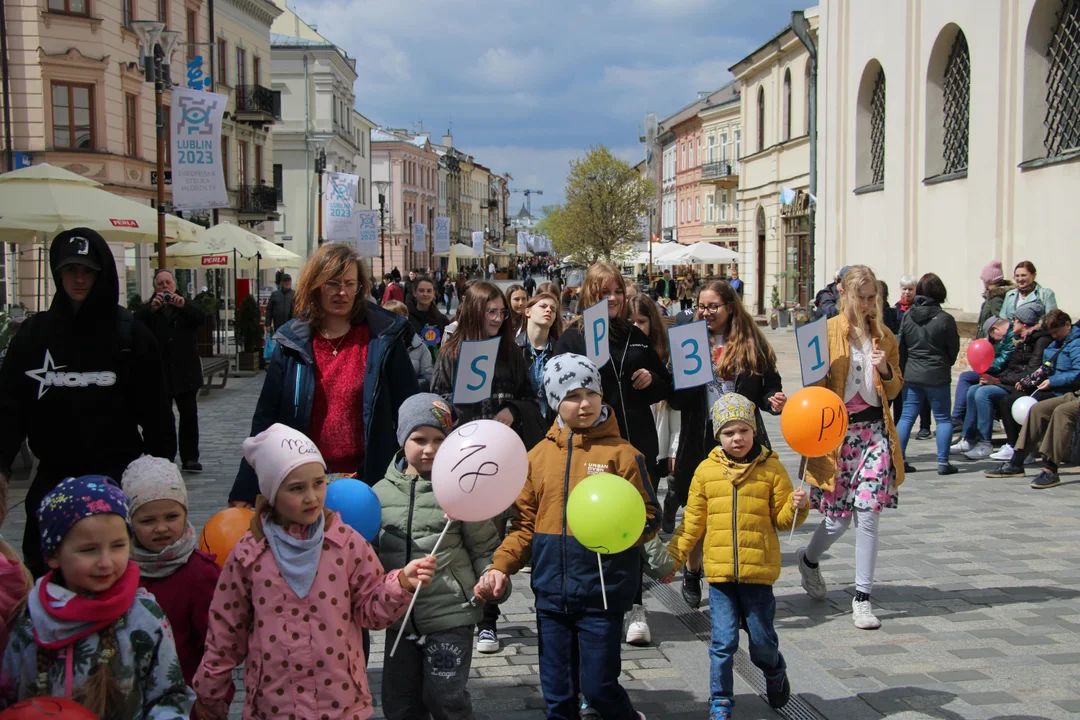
382	186
318	145
156	46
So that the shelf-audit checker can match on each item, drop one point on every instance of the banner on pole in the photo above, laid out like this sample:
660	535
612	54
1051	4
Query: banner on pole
522	243
478	242
367	242
198	180
339	197
419	237
442	234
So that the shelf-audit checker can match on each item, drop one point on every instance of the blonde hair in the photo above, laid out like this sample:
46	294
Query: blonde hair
856	277
596	279
330	262
396	306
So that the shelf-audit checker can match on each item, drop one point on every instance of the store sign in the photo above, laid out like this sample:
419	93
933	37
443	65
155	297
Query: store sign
215	260
727	230
168	177
124	223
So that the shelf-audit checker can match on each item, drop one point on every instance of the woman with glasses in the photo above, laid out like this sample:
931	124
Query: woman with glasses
743	363
337	350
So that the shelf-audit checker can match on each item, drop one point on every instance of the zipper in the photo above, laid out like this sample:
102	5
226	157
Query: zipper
566	496
409	543
296	392
618	379
735	527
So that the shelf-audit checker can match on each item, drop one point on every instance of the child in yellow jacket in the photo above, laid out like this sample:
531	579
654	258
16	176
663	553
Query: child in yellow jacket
739	497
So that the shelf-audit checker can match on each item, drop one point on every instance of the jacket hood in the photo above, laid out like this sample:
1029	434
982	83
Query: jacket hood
296	334
923	310
105	295
560	435
998	289
396	476
739	471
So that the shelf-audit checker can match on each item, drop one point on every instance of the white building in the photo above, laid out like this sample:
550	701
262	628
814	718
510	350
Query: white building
950	136
362	128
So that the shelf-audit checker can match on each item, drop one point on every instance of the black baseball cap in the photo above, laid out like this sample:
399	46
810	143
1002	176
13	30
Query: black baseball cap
75	248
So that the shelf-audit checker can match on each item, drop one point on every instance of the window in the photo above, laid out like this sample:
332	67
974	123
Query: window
761	119
683	157
73	116
163	12
870	128
241	66
723	204
682	211
241	164
787	104
699	151
74	7
1052	80
735	211
957	88
279	177
225	159
256	71
723	147
697	211
877	129
131	125
127	11
166	132
258	176
223	61
738	145
192	33
709	208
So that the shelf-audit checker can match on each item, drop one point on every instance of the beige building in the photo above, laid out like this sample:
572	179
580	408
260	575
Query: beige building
411	165
950	136
774	237
721	130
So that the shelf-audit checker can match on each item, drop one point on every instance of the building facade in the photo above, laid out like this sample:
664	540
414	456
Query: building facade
950	136
411	166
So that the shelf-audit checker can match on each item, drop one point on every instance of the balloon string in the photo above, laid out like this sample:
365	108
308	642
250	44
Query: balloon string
802	481
416	592
603	590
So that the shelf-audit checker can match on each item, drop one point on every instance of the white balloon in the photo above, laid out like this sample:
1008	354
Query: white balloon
479	470
1021	408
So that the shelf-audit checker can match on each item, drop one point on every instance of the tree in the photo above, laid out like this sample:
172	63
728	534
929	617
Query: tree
604	199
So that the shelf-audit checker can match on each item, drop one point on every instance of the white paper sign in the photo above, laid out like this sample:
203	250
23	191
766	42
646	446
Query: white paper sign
475	370
690	362
419	237
478	243
367	243
442	234
812	340
594	324
522	243
339	198
197	178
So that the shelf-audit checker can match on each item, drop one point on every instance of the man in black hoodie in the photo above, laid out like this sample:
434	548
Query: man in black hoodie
79	381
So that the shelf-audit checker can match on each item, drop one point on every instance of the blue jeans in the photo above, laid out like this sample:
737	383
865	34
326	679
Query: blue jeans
965	381
729	604
979	418
939	405
581	652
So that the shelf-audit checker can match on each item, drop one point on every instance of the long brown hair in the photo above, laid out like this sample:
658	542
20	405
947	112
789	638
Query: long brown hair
592	287
518	319
556	322
643	305
745	346
330	263
855	277
471	317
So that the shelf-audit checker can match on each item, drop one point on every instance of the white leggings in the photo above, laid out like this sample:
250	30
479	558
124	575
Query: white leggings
866	544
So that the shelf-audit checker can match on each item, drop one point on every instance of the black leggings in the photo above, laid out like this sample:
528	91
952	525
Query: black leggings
654	478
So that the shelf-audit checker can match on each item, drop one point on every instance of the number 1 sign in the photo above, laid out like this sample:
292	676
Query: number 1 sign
812	339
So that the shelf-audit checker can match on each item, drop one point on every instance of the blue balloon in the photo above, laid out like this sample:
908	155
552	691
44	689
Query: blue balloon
357	504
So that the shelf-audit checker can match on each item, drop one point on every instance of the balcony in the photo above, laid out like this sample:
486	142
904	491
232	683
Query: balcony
722	173
257	105
257	203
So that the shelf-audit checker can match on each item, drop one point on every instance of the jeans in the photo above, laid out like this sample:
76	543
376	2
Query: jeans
979	418
427	677
924	412
939	404
729	605
581	653
965	381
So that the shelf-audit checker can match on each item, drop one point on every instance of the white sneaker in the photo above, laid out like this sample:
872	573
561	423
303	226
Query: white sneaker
981	451
960	448
488	642
637	631
812	582
1005	453
863	615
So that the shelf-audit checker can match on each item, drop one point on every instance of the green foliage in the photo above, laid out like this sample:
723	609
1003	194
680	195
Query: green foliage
249	327
605	196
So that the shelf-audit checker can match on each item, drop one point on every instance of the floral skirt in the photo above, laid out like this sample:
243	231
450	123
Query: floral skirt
865	476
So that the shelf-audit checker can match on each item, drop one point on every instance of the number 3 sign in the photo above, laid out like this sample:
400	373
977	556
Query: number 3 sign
812	340
690	363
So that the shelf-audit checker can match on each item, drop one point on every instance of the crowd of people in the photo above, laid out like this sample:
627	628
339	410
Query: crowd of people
118	609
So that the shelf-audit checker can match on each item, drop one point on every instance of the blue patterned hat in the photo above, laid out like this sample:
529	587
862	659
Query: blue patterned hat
75	499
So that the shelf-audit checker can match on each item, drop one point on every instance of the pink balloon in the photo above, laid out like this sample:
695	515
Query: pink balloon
980	355
479	471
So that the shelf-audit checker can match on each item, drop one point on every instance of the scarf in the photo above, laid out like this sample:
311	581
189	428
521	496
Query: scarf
62	617
162	564
297	558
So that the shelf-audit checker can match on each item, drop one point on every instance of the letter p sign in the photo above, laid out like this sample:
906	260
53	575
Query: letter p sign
594	325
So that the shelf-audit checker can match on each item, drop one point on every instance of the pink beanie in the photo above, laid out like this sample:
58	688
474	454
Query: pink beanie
992	273
276	452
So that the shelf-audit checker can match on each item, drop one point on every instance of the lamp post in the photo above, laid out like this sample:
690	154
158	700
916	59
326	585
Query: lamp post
382	186
318	144
156	46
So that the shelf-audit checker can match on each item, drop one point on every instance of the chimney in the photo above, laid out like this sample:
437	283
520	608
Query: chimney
448	140
703	94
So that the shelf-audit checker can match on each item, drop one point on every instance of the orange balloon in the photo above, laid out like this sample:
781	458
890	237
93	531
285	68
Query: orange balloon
222	532
40	708
814	421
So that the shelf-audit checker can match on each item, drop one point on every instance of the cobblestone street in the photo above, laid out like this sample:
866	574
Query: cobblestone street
978	589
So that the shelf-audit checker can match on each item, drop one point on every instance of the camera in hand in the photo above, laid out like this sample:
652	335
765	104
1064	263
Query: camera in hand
167	298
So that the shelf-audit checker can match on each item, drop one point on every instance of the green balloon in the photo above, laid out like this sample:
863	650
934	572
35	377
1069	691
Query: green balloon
605	513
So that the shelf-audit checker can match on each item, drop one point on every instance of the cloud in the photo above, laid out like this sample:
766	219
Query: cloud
507	69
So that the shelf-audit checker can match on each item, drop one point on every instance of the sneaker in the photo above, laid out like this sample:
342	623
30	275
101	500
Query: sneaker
637	631
1045	479
981	451
924	434
1005	453
671	507
863	615
998	427
192	466
691	587
1004	470
587	712
720	710
961	447
812	582
778	690
488	642
947	469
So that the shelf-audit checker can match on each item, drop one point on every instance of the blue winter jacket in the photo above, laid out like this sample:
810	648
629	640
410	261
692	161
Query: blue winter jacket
1065	355
289	391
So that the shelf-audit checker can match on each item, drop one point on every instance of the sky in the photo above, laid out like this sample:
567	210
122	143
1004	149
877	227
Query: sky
526	87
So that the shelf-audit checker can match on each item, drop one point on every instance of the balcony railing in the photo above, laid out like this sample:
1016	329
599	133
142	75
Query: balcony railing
256	99
257	199
717	170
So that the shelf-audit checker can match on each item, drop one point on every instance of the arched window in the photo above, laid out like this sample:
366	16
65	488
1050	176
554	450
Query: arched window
787	104
1052	80
870	128
948	103
761	119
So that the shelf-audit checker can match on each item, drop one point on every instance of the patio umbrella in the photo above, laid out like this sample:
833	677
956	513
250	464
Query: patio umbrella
39	202
701	253
215	250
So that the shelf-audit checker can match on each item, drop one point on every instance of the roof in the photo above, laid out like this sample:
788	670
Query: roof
277	40
716	97
812	20
523	213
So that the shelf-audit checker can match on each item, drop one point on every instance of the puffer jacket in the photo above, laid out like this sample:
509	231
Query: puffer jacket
565	577
1038	293
737	507
1064	356
993	299
929	344
1026	357
411	524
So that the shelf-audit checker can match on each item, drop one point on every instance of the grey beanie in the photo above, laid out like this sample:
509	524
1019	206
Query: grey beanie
1030	313
423	410
990	323
569	372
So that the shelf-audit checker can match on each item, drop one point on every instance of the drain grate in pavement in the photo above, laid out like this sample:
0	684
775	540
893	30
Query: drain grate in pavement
699	624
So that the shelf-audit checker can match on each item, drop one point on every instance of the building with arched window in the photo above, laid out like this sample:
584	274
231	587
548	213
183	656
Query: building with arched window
949	136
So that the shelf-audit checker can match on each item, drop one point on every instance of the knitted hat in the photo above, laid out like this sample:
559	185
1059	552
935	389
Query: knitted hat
992	273
423	410
991	322
730	408
569	372
150	478
276	452
1030	313
75	499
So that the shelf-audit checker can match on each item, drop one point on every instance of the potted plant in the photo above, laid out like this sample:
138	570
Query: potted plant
775	301
249	333
783	311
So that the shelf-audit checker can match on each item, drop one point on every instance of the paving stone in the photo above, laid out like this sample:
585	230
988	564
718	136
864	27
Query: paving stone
989	698
974	653
952	676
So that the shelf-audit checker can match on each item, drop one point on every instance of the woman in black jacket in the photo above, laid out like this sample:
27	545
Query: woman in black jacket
929	344
424	311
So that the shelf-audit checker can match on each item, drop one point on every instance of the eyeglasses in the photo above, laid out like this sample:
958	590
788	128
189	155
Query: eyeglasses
504	313
334	287
710	309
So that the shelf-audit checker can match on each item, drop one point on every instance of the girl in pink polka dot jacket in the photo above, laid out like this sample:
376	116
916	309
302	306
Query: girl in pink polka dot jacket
294	596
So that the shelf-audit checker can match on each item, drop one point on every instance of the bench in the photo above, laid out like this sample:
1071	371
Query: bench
211	367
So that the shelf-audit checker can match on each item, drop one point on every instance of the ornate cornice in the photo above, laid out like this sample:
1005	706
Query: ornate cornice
262	10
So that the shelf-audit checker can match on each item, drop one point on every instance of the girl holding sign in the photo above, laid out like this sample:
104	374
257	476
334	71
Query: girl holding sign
863	476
